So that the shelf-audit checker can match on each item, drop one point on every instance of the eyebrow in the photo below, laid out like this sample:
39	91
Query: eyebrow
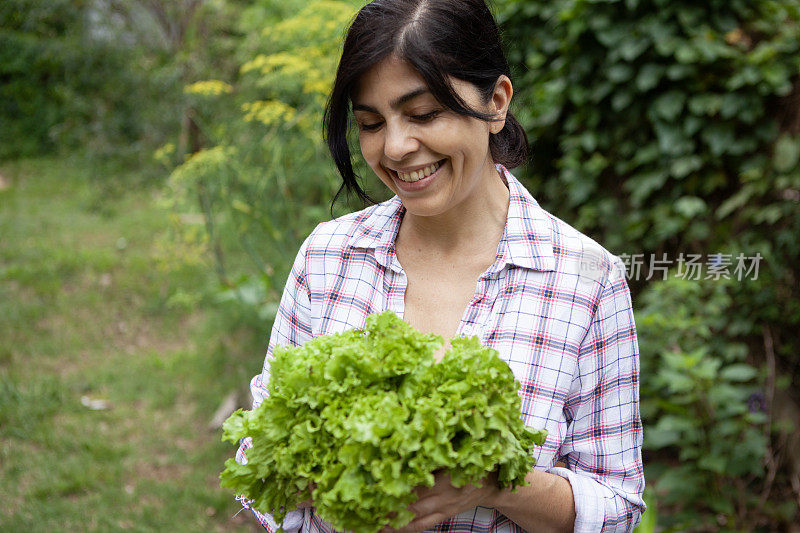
396	103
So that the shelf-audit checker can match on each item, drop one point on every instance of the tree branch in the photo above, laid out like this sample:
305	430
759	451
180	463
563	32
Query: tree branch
769	398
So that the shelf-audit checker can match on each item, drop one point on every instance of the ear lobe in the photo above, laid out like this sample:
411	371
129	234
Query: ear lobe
497	125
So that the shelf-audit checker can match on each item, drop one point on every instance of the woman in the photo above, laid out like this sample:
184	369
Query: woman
463	249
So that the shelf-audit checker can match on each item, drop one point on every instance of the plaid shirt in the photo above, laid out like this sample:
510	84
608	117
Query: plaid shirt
554	304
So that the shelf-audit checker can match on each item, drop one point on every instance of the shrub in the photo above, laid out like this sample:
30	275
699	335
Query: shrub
706	437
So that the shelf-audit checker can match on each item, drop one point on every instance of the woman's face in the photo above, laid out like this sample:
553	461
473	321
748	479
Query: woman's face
431	157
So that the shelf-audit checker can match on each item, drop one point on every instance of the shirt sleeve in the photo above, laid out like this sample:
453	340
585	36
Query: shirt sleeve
292	327
602	449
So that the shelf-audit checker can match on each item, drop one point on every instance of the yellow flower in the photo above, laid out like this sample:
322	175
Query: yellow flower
268	111
208	88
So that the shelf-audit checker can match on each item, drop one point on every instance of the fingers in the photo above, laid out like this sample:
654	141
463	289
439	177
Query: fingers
426	505
441	481
441	501
309	502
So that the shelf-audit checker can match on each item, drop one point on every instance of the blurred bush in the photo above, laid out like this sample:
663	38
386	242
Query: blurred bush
106	77
707	437
56	77
266	179
661	124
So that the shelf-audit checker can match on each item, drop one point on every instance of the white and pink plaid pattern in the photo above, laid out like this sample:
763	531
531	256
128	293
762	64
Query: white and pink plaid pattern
554	304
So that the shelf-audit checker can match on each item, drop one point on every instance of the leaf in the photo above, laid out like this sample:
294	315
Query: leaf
722	506
671	139
611	35
690	206
734	203
669	105
649	76
683	166
655	438
235	427
619	73
787	153
705	104
718	137
621	100
642	185
632	47
738	372
686	53
675	424
713	463
683	480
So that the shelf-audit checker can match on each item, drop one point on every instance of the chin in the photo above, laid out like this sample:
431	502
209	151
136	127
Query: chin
423	207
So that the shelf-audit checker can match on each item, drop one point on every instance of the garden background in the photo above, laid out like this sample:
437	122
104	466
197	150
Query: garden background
162	160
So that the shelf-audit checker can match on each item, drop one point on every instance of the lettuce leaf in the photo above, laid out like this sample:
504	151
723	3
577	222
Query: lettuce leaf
363	417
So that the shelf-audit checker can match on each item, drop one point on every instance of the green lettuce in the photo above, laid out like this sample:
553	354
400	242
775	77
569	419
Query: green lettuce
358	419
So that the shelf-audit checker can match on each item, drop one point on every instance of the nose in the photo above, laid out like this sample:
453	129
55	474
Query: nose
399	142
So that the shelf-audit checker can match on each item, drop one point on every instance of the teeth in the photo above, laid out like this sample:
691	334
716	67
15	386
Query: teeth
418	174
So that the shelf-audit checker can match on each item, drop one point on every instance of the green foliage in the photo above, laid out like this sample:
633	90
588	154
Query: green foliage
268	179
654	122
68	81
359	419
107	78
704	434
38	45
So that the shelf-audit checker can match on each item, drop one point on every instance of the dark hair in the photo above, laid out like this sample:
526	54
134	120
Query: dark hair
439	38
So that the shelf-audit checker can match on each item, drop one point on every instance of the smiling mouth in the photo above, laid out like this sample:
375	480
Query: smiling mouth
410	177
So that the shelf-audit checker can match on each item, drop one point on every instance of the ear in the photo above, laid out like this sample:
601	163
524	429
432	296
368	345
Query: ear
501	99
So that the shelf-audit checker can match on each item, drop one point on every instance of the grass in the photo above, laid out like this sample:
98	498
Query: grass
87	312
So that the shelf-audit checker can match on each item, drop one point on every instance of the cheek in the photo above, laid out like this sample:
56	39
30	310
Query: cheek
370	149
461	135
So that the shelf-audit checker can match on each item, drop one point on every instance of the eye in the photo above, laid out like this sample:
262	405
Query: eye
369	127
425	117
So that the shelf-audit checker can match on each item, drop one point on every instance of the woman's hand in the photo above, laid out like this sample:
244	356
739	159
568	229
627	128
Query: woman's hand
443	500
309	502
306	503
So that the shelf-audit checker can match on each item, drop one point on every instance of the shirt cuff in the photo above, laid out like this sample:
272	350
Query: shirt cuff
589	501
291	523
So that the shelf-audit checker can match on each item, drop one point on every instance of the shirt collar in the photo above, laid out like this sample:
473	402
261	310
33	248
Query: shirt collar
527	239
526	242
378	230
